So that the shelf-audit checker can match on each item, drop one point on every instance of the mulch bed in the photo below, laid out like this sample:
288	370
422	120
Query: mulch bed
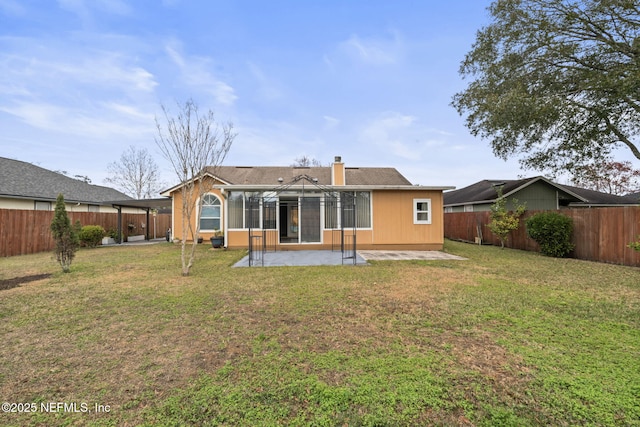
17	281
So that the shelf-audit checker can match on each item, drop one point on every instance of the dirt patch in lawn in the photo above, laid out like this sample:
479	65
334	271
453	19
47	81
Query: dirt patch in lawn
17	281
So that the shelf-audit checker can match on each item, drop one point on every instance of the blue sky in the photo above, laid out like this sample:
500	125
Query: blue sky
371	81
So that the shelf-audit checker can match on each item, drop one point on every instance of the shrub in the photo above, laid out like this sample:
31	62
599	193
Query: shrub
635	245
91	235
552	231
64	235
502	222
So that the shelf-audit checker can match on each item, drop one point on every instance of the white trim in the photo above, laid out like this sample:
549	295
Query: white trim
199	213
263	187
429	211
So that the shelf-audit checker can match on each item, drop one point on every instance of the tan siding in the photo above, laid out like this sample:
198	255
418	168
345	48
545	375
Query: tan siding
393	219
177	212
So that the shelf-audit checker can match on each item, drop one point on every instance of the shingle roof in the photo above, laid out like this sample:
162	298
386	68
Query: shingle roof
635	196
483	191
486	191
24	180
598	198
269	175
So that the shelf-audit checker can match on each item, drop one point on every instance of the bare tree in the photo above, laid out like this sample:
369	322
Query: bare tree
306	161
195	145
136	174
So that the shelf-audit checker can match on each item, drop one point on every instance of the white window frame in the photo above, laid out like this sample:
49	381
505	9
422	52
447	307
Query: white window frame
416	202
41	205
200	216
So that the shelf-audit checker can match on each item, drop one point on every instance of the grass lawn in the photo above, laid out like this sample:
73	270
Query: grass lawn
506	338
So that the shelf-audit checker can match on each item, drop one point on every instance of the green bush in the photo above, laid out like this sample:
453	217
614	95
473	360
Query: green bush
91	235
552	231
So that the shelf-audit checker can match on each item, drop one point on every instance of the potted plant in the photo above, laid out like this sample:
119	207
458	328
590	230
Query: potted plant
217	240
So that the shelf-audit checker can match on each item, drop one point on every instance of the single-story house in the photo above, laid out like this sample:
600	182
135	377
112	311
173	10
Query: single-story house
308	207
29	187
539	193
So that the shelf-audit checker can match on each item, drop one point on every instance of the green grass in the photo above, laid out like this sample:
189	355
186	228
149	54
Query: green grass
505	338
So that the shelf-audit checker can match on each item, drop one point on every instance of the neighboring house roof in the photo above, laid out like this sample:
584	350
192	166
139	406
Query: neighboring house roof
22	180
592	197
269	175
486	192
635	196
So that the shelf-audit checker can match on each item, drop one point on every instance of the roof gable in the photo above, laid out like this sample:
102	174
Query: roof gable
24	180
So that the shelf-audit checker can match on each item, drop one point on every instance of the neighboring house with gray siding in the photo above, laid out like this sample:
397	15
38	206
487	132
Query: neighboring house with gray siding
30	187
538	193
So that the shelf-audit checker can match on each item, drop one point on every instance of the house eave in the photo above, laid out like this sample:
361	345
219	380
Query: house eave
309	186
600	205
53	199
479	202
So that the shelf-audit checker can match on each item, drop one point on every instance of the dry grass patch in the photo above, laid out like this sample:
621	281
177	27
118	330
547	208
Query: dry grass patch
393	343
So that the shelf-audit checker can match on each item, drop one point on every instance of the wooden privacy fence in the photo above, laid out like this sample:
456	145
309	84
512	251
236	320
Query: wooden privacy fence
26	232
599	234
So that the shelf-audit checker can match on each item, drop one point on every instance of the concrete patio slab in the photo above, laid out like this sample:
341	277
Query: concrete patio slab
300	258
407	255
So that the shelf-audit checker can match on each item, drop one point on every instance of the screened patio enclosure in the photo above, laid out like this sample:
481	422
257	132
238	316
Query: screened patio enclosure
297	216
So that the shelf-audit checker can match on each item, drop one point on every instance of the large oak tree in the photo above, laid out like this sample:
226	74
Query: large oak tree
555	83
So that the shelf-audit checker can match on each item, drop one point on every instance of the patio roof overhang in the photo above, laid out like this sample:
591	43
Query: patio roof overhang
144	204
160	203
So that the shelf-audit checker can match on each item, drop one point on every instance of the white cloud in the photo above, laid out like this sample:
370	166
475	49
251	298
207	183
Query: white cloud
27	68
391	131
12	7
89	123
330	122
86	10
194	71
266	87
372	51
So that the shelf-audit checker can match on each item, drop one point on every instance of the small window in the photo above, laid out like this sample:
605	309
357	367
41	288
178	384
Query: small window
42	206
94	208
468	208
422	211
210	216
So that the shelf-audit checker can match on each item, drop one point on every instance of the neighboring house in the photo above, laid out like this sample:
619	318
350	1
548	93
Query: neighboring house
538	193
308	207
30	187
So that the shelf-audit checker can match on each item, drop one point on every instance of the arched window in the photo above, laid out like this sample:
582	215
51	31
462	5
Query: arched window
210	217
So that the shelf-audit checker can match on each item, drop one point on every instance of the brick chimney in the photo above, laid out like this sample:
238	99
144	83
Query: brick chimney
337	172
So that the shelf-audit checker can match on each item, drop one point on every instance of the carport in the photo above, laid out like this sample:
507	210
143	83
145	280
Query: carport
148	205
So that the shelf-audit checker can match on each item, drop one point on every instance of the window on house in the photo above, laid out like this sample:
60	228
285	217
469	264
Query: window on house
94	208
252	210
210	216
331	211
269	213
422	211
42	206
235	204
468	208
355	209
